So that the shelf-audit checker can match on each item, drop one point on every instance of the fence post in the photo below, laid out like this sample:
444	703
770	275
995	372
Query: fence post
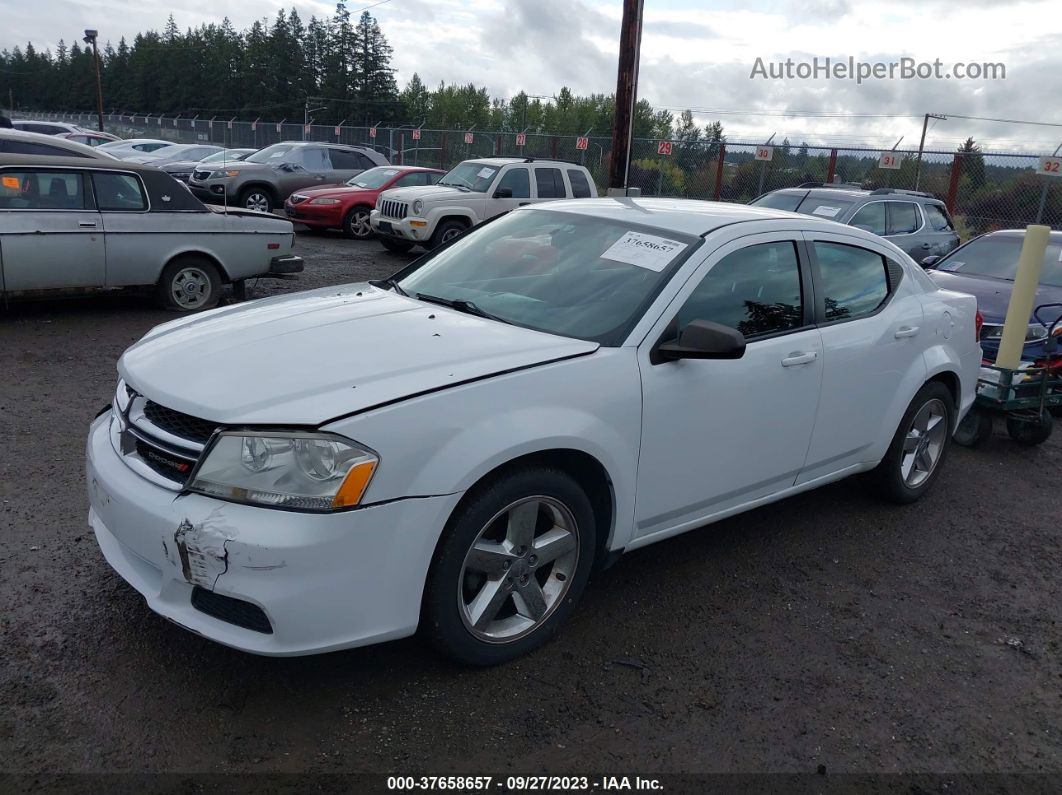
553	148
718	193
401	146
442	150
953	186
497	145
831	172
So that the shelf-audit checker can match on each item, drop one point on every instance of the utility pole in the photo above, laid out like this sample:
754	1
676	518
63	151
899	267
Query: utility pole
922	144
626	94
90	38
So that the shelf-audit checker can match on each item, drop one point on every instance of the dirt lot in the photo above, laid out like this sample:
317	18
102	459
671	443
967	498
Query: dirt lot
828	630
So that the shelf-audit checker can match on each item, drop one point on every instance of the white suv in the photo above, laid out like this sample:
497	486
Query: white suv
472	192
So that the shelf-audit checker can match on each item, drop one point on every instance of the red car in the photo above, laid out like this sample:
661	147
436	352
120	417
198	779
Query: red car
347	206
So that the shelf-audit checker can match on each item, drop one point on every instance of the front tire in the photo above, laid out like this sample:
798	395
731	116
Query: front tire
974	429
510	566
356	224
446	231
918	448
189	284
258	199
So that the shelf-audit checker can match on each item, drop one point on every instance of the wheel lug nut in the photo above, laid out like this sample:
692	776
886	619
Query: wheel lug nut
533	560
505	565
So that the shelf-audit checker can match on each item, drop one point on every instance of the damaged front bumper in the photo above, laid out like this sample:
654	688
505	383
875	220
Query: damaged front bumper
264	580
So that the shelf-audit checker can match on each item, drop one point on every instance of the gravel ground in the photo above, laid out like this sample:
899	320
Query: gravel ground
825	633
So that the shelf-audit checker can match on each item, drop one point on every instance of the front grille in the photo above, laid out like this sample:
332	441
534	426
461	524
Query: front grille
200	175
296	198
165	462
393	209
178	424
233	611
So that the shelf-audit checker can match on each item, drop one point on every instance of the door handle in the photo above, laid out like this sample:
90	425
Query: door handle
799	358
905	331
87	224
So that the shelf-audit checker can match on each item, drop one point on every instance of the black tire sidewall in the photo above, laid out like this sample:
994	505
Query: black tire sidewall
442	229
441	619
395	246
173	268
1031	433
887	474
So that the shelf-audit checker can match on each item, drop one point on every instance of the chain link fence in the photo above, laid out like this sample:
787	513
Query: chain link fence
984	191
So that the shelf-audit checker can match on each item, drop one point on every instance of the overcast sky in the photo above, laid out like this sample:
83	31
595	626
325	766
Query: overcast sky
694	54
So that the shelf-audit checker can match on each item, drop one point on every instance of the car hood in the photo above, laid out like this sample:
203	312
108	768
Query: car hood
427	193
307	358
993	295
180	165
331	191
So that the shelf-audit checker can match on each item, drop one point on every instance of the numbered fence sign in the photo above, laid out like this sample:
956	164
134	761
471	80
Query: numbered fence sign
337	131
372	132
1051	166
306	128
521	139
254	126
582	143
889	160
230	124
663	147
416	134
278	126
468	137
764	152
174	120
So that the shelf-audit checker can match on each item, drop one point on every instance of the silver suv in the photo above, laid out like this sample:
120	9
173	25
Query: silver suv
917	222
265	179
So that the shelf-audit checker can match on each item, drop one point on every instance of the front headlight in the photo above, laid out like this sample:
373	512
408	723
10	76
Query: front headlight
418	207
324	201
303	471
222	174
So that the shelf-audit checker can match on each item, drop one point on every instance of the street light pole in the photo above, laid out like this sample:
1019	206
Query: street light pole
626	94
922	143
90	38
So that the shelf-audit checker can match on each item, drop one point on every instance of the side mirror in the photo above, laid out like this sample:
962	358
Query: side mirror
703	339
503	193
930	261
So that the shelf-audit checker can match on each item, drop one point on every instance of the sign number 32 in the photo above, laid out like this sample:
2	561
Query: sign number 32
1052	166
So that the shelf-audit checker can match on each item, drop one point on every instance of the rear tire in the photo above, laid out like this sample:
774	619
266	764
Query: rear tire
446	231
510	566
918	448
395	246
974	429
356	224
1030	431
189	284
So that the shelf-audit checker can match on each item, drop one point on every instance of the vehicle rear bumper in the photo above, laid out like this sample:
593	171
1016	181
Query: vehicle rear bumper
287	263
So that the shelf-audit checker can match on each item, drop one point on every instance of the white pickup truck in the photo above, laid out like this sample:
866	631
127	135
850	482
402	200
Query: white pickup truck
472	192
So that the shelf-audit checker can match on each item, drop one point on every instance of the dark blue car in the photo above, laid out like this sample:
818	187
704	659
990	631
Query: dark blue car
985	268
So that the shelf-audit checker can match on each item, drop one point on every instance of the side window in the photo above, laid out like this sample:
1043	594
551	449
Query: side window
580	186
520	182
34	148
870	217
854	280
121	192
411	179
344	160
903	218
42	190
755	290
938	221
550	183
314	158
433	177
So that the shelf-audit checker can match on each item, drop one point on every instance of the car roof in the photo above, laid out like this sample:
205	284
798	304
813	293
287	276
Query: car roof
1055	235
73	162
505	161
141	141
51	140
854	194
683	216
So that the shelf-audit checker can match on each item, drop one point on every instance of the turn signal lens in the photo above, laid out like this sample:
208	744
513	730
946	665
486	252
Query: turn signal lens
354	485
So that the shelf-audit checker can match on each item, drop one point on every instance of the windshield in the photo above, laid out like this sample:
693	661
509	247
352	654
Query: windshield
271	154
780	201
824	207
373	178
562	273
470	175
997	256
229	156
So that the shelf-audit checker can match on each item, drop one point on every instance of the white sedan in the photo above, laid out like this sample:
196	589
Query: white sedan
459	447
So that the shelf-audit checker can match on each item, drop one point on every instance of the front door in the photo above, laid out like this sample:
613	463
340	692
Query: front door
517	181
50	235
718	434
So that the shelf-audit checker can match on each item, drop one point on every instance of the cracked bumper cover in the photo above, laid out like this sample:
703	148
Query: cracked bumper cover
325	581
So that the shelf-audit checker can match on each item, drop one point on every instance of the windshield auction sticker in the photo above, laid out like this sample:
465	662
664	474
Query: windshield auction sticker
645	251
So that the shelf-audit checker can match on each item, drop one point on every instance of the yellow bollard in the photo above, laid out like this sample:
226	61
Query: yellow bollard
1026	283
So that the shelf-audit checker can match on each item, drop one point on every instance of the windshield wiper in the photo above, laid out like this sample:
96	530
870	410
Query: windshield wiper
461	305
388	284
454	185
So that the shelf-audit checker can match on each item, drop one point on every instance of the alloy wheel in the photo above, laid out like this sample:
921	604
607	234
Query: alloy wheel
518	570
257	201
924	443
359	224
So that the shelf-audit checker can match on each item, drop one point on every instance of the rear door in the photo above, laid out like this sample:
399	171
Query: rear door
939	232
347	164
50	233
905	224
549	183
